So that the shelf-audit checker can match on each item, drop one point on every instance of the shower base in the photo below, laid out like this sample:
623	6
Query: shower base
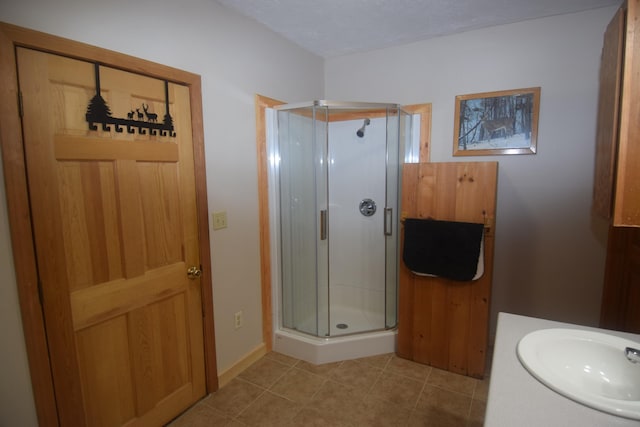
326	350
347	321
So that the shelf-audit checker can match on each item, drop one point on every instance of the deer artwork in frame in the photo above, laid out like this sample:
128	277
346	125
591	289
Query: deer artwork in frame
503	122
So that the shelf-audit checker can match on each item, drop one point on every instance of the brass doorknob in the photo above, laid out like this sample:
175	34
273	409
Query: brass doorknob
194	272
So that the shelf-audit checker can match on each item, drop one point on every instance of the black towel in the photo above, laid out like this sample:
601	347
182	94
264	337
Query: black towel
442	248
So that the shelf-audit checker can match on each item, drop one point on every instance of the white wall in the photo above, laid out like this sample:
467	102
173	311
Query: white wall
549	256
236	58
16	401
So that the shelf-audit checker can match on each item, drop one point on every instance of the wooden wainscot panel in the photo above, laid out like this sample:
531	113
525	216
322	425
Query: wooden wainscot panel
444	323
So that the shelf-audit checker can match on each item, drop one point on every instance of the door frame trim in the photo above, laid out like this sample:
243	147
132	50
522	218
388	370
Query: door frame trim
12	146
261	105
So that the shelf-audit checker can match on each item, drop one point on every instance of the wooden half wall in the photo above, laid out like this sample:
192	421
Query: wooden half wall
445	323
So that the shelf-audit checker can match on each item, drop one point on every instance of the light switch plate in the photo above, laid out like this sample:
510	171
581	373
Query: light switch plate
219	220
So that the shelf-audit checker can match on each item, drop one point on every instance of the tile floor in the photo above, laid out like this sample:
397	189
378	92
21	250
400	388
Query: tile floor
384	390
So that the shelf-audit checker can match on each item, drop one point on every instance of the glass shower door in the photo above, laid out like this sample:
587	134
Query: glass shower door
303	210
398	137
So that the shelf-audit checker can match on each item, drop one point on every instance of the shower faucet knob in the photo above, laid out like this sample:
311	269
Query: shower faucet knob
367	207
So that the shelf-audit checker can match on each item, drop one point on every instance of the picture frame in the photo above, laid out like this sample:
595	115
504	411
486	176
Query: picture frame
496	123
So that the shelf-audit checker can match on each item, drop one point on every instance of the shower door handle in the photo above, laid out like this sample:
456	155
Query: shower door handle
323	224
388	221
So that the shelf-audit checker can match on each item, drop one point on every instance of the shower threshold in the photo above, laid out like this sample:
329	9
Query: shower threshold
334	349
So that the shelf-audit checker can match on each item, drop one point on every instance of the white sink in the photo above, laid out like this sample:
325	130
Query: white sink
588	367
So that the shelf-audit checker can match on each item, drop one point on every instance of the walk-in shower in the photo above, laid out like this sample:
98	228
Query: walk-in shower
334	190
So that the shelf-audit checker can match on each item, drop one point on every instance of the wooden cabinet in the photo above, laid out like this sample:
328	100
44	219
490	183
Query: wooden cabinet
616	188
617	175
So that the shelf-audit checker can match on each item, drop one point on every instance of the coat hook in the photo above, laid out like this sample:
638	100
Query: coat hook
487	222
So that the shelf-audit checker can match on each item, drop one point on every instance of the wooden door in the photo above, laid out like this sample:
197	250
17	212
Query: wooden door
115	229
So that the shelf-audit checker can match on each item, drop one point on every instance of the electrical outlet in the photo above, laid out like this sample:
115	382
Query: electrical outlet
219	220
238	319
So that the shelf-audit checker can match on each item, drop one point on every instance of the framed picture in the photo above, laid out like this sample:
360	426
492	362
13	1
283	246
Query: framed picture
504	122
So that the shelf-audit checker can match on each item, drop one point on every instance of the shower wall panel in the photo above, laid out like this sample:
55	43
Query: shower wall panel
357	242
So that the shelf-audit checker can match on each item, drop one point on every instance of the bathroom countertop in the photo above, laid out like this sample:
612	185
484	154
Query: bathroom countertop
517	399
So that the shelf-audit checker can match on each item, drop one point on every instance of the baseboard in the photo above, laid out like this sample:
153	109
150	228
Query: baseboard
242	364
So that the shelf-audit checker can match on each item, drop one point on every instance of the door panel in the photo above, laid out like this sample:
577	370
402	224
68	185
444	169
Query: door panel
88	199
103	356
114	219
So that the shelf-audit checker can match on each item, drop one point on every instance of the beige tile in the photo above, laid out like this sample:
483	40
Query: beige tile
201	415
477	412
408	368
371	391
298	385
378	413
313	417
450	381
356	374
482	390
419	419
269	410
323	370
438	403
396	389
336	399
436	418
233	397
379	361
265	372
284	359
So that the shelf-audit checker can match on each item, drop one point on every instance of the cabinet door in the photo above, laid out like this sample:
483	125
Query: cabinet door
608	116
621	292
627	197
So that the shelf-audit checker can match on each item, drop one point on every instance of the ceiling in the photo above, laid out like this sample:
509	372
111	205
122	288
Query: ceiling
331	28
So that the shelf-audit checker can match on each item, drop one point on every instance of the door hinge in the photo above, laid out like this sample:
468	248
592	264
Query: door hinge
20	105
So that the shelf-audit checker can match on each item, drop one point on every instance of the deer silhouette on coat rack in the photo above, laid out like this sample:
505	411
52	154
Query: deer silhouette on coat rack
151	117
